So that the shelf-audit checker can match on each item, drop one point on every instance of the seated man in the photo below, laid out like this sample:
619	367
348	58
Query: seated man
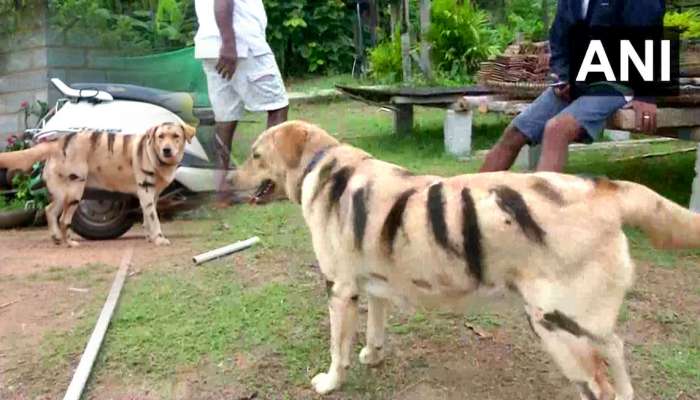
557	118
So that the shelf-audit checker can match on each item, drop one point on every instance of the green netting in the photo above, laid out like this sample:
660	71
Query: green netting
176	71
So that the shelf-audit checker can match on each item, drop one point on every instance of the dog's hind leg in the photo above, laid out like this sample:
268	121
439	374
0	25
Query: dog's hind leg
573	350
373	352
343	315
66	217
74	186
612	348
53	213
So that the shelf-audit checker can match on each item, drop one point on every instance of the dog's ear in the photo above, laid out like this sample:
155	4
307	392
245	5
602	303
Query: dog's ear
151	132
289	143
190	132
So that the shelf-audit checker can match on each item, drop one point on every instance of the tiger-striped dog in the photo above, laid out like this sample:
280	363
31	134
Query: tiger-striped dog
141	164
554	240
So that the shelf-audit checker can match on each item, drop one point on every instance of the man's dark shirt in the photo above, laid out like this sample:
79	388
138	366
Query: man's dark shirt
601	13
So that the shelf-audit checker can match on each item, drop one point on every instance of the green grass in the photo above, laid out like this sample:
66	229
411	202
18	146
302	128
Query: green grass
677	364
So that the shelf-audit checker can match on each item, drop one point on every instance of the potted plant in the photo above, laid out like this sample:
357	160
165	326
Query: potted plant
22	197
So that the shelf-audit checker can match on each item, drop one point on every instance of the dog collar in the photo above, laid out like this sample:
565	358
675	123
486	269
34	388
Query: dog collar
315	160
318	156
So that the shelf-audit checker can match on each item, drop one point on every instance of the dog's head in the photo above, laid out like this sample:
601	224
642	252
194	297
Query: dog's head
277	161
168	141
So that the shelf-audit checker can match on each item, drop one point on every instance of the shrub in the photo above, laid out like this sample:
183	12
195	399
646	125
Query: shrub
688	22
385	60
311	36
461	37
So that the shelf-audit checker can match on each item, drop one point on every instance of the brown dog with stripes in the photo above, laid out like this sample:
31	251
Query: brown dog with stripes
554	240
141	164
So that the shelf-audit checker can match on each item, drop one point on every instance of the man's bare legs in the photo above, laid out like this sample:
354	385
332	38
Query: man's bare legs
222	152
503	154
223	140
277	117
559	132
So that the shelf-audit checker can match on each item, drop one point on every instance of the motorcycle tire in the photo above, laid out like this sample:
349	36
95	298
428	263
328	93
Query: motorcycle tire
102	219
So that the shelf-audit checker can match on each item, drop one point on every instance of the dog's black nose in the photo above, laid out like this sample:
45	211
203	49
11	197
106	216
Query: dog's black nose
167	152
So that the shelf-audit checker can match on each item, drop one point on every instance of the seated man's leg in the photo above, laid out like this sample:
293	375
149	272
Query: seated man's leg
583	120
526	128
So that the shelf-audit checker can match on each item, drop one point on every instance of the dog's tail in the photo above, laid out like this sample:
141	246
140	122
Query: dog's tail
668	225
24	159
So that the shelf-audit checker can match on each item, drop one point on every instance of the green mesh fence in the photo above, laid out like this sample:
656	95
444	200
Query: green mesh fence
176	71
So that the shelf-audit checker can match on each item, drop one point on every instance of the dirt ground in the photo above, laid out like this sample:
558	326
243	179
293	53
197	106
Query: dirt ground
463	364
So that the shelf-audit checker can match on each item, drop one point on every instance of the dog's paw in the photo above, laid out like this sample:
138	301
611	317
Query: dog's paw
325	383
161	241
73	243
371	356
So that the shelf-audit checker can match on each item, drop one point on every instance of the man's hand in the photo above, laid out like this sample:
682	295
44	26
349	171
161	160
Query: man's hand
563	92
228	60
645	115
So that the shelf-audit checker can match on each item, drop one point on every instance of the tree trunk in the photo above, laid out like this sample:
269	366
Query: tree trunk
545	16
425	61
394	15
406	41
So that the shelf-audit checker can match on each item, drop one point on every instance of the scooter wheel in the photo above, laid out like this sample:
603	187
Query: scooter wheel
102	219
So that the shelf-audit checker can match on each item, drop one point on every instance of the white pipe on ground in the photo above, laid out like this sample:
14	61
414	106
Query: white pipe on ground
224	251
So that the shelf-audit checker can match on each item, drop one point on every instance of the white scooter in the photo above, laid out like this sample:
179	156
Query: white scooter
127	109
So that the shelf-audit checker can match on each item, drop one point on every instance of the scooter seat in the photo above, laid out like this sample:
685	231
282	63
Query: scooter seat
180	103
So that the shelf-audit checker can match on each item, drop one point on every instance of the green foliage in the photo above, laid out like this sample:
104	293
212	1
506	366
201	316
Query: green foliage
310	36
133	27
385	60
688	22
29	191
461	37
307	36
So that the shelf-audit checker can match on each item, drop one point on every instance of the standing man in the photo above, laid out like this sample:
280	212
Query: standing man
241	73
557	118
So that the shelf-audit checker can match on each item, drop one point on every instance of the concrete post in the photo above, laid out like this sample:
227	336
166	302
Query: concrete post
458	133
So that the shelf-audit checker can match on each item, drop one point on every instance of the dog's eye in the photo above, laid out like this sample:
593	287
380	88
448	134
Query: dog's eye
256	156
161	136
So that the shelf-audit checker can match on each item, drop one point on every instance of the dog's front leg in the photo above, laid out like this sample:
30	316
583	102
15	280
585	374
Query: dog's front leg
343	315
373	352
147	198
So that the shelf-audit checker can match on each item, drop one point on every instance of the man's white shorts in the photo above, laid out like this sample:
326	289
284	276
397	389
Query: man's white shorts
256	86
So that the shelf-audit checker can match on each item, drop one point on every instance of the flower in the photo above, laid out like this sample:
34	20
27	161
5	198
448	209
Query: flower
24	104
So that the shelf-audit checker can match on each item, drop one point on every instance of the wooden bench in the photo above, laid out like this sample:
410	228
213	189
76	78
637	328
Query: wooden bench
678	123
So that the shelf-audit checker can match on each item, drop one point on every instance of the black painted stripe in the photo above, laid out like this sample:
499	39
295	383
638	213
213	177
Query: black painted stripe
324	175
110	142
340	181
394	220
436	215
139	152
512	203
67	140
126	139
94	138
359	212
471	235
558	320
548	191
